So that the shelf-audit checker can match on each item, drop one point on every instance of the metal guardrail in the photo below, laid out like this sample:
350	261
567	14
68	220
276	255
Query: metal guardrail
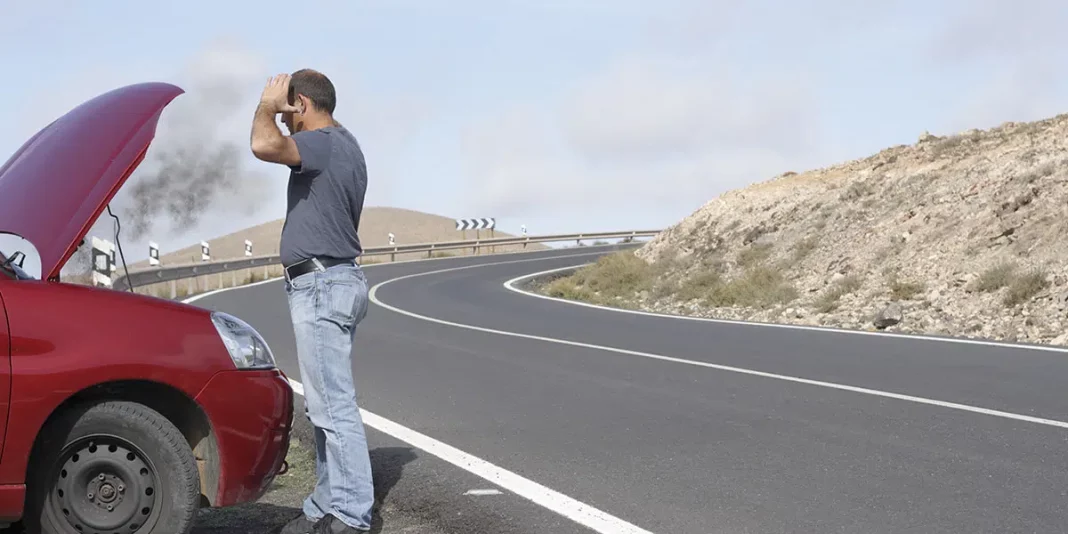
155	275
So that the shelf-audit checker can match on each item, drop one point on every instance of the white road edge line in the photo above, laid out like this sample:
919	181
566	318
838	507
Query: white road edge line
577	511
555	501
831	385
510	285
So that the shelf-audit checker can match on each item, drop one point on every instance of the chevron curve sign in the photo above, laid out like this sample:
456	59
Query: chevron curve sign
476	224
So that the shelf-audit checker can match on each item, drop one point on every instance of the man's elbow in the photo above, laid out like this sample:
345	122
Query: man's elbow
265	150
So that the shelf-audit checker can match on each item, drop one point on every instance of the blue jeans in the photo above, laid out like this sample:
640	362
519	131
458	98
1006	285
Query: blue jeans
326	306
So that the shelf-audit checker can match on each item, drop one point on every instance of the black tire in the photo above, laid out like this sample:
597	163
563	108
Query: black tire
118	454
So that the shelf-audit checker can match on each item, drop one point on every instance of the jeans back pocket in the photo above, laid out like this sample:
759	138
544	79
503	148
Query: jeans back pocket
345	299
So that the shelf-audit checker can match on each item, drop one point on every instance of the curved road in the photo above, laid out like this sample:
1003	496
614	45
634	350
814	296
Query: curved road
673	425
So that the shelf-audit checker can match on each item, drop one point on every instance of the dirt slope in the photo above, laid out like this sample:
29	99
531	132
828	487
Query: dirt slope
961	235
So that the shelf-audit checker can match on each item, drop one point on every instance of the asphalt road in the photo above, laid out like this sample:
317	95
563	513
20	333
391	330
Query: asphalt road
678	446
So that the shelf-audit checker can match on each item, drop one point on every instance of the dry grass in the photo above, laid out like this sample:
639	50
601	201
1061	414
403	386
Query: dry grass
619	279
994	278
844	286
565	288
856	190
699	285
1024	287
611	278
804	247
760	287
753	255
904	289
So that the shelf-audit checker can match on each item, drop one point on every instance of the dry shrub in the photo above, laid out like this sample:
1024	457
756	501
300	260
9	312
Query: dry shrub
621	274
699	285
905	290
994	278
759	287
616	274
1024	287
754	255
856	190
844	286
804	247
566	288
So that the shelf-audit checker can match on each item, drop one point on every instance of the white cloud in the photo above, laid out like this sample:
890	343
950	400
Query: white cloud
1011	53
657	137
671	108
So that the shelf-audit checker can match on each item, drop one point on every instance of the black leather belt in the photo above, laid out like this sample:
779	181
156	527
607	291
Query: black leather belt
314	264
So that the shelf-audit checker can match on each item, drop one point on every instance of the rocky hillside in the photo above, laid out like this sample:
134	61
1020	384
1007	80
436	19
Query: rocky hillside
964	235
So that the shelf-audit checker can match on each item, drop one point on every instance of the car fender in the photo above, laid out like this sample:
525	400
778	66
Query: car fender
66	339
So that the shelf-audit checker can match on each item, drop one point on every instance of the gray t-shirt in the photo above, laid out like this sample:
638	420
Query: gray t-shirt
325	197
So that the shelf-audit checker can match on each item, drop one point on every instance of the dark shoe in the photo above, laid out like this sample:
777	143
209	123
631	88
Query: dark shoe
300	525
330	525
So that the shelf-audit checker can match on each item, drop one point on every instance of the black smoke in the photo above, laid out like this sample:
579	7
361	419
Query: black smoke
198	162
190	181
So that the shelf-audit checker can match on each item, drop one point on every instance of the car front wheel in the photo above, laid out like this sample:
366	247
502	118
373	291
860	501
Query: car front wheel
110	467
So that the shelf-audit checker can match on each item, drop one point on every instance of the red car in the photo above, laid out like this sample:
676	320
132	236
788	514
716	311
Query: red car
118	412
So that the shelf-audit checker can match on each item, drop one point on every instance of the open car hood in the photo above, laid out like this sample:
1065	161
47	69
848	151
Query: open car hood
57	184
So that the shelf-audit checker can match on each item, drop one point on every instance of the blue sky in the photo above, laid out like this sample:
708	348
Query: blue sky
563	116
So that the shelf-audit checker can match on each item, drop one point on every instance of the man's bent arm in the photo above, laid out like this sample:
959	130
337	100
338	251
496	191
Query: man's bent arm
268	143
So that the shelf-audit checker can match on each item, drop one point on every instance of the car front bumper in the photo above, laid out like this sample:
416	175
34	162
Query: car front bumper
251	414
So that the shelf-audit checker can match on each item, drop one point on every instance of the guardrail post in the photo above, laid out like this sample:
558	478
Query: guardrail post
393	255
233	278
174	289
266	272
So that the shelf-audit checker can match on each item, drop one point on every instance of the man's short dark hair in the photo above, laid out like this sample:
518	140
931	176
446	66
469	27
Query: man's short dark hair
316	86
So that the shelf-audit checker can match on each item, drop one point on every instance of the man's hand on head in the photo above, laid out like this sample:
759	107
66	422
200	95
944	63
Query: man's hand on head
267	142
275	97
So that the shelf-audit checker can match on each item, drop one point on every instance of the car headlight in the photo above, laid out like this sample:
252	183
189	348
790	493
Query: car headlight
247	347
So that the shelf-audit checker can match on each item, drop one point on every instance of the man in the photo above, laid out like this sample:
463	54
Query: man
327	290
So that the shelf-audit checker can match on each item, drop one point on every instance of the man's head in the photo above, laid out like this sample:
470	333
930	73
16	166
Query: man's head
312	93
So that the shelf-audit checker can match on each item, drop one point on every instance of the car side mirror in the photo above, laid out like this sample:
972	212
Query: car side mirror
18	256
